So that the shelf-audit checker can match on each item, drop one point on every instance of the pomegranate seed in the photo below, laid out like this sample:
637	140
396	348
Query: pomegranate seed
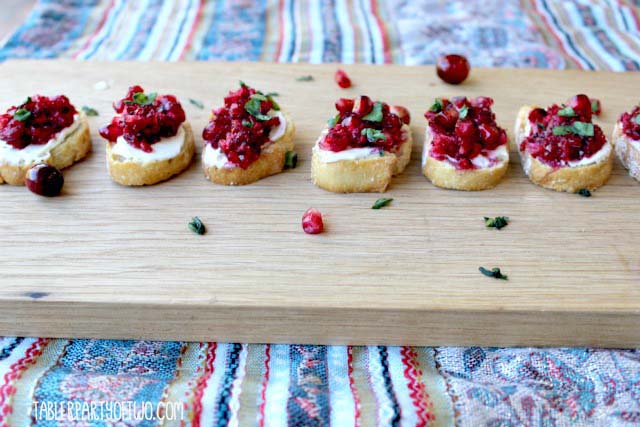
44	179
403	113
312	221
344	105
581	104
453	69
342	79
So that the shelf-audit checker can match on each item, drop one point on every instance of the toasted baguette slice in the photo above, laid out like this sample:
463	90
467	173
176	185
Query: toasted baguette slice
628	151
443	174
372	174
570	179
270	162
75	147
134	173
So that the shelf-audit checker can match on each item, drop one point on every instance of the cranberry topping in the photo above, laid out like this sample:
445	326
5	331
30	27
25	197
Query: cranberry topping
463	129
240	129
44	180
453	69
563	133
36	121
403	113
631	123
312	221
144	119
342	79
364	123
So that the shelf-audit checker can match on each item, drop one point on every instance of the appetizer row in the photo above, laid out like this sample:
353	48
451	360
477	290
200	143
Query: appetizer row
362	147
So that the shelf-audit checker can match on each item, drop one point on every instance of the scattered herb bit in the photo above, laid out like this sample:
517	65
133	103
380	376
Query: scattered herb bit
142	98
497	222
373	135
636	119
334	120
463	112
584	192
91	112
494	272
21	115
290	160
247	123
381	152
253	107
436	107
197	226
595	107
577	128
380	203
304	79
376	113
197	103
272	94
567	112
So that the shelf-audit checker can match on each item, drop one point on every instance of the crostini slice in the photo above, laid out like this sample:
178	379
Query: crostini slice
363	147
626	140
149	141
464	148
561	148
247	139
41	130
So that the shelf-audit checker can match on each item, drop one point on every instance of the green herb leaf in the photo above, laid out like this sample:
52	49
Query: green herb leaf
247	123
272	94
198	104
197	226
373	135
375	115
274	104
636	119
436	107
26	101
253	107
494	272
497	222
584	192
290	160
142	98
242	84
594	106
260	97
380	203
567	112
304	79
91	112
463	112
334	120
21	115
577	128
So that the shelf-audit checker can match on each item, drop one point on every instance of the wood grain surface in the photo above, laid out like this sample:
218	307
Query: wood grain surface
109	261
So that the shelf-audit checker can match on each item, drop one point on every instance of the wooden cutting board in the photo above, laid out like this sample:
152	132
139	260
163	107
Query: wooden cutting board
110	261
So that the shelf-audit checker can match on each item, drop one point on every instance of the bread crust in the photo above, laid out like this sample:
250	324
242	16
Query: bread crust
627	153
443	174
567	178
361	175
131	173
74	148
270	162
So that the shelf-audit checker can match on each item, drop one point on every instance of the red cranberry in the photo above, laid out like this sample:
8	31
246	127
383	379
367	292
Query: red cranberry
537	115
312	221
344	105
581	104
453	69
403	113
342	79
44	180
363	106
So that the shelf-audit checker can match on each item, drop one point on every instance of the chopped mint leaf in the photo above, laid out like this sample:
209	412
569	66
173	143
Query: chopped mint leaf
247	123
198	104
436	107
380	203
375	115
584	192
497	222
22	115
197	226
290	159
253	107
567	112
304	79
577	128
91	112
142	98
463	112
242	84
373	135
636	119
334	120
494	272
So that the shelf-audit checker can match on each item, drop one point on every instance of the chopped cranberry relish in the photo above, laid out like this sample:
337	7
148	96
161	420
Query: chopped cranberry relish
563	133
144	119
463	129
36	121
364	123
241	128
631	123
